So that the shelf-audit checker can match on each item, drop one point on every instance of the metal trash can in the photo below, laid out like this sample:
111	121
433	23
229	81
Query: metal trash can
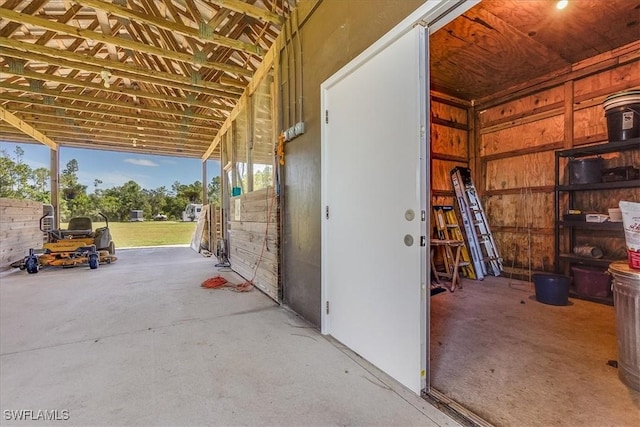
626	298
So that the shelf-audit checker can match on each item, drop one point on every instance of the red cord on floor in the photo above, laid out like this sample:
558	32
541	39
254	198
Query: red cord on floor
220	282
214	282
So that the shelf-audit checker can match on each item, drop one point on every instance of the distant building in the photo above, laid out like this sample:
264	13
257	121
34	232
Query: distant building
136	215
191	212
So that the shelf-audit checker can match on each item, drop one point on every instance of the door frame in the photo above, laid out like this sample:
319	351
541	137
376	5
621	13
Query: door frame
433	14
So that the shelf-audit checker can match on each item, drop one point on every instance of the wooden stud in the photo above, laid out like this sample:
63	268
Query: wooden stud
26	128
250	10
55	27
170	26
89	63
568	114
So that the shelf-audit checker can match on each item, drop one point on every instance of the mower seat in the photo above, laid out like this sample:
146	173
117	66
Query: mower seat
78	227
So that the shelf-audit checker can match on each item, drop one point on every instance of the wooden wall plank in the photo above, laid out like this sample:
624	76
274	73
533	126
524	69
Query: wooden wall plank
520	210
542	132
521	107
614	80
450	141
523	247
440	174
517	155
530	170
588	122
250	255
19	229
448	112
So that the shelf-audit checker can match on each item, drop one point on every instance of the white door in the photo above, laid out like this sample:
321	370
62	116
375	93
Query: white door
374	160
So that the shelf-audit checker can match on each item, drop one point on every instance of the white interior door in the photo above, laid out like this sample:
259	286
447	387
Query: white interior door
374	193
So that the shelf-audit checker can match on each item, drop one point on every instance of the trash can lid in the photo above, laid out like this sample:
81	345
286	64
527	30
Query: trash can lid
621	268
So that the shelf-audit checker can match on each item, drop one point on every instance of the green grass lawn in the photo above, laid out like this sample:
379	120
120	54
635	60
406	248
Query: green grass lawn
148	233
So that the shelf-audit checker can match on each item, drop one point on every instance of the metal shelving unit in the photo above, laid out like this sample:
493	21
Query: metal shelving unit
566	228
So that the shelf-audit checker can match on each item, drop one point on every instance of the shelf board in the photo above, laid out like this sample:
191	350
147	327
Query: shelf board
600	186
575	259
616	226
608	147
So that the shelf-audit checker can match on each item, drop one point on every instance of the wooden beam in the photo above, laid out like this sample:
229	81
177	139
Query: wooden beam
83	109
116	89
262	70
119	147
204	184
249	10
71	131
526	118
30	9
35	116
121	141
92	64
172	26
118	41
106	101
568	114
26	128
53	123
54	184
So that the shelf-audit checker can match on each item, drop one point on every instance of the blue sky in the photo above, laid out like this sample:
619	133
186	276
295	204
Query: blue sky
115	168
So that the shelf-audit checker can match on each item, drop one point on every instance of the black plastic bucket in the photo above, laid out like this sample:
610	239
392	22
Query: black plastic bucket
586	171
622	111
552	289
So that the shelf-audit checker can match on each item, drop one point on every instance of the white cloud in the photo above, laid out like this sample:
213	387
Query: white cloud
141	162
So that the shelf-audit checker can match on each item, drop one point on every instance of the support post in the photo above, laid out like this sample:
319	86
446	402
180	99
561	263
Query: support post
54	185
204	183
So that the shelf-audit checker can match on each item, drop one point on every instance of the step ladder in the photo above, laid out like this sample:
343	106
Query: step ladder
447	228
484	252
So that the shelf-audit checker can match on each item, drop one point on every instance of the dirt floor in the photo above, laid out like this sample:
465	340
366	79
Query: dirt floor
517	362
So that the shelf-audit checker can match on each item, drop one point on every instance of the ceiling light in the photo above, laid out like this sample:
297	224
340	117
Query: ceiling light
562	4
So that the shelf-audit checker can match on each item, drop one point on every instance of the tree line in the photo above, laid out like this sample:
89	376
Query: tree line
19	181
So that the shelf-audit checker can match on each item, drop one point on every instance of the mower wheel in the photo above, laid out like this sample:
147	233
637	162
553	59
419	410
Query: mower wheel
93	261
32	265
112	248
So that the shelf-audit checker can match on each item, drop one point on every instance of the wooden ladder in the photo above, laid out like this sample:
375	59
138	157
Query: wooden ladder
447	228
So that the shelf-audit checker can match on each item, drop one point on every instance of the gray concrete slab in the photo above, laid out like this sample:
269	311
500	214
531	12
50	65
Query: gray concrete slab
139	342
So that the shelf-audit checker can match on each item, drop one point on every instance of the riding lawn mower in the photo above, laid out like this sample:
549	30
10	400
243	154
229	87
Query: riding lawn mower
76	245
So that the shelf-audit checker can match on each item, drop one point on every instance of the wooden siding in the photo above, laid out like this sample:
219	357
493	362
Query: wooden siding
253	239
449	143
516	141
19	229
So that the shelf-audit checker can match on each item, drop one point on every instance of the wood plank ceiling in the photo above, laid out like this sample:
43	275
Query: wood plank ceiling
145	76
499	44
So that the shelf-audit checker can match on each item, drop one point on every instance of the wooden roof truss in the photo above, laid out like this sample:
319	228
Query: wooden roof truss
146	76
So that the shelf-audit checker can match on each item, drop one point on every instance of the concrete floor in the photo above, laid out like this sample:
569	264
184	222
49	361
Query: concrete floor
517	362
139	342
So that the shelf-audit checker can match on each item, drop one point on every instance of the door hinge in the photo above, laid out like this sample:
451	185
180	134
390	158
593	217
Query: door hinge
327	307
423	241
423	215
326	212
326	116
